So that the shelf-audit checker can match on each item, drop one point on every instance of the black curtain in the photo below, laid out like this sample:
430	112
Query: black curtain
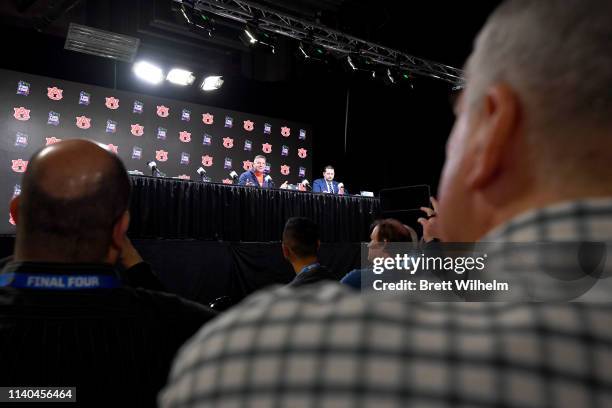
181	209
205	270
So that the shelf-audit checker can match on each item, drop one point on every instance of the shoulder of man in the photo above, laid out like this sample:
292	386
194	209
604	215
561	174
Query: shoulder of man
171	306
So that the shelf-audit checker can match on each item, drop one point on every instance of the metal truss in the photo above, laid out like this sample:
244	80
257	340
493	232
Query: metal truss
335	41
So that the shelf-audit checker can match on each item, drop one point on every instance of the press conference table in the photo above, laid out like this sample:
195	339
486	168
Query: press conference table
172	208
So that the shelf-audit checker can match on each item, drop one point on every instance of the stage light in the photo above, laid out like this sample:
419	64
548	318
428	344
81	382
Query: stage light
196	19
310	52
254	37
148	72
210	83
407	78
205	23
390	78
248	37
180	77
351	64
303	52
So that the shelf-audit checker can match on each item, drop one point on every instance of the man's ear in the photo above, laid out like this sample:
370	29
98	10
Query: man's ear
286	251
497	124
120	230
14	209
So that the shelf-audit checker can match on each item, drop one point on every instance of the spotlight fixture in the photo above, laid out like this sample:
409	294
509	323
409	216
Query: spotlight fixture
254	37
148	72
310	52
180	77
358	63
204	23
350	63
198	20
212	82
389	77
248	36
303	52
407	78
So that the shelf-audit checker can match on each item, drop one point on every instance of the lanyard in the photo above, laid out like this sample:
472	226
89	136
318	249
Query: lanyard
58	282
310	267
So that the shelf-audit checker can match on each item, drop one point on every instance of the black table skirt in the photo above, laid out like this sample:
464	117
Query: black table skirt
171	208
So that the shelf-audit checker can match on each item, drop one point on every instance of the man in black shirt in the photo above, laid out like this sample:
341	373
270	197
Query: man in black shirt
300	246
65	317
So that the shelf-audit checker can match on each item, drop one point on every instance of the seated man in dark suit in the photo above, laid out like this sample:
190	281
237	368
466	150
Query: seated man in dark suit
327	183
300	246
65	317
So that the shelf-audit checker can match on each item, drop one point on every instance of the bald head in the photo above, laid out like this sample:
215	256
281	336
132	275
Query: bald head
71	169
73	193
555	54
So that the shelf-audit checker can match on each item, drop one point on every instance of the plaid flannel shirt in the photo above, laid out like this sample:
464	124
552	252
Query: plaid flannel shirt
325	346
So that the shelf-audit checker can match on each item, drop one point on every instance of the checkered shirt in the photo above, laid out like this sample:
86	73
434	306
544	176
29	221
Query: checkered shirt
325	346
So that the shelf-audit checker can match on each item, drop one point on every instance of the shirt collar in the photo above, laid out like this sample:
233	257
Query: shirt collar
310	267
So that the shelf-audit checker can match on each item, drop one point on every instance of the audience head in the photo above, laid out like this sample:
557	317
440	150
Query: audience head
328	173
259	164
73	205
387	231
300	239
533	123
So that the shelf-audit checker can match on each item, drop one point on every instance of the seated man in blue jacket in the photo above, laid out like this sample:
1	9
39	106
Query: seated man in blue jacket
256	176
327	183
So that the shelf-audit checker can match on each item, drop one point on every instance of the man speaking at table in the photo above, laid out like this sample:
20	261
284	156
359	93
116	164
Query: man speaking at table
256	176
327	183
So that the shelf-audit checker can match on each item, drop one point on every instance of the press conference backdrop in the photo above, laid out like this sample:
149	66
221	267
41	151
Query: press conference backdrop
180	137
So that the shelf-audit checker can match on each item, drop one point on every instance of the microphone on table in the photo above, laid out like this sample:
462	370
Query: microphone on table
268	179
306	184
234	175
154	170
202	173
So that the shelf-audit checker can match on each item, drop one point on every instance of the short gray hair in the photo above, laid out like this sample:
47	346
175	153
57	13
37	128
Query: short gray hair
260	156
556	54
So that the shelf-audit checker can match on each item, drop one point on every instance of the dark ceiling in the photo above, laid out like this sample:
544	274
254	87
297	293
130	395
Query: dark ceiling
439	31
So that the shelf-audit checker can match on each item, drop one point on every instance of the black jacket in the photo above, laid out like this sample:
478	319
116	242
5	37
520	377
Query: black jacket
114	345
314	275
